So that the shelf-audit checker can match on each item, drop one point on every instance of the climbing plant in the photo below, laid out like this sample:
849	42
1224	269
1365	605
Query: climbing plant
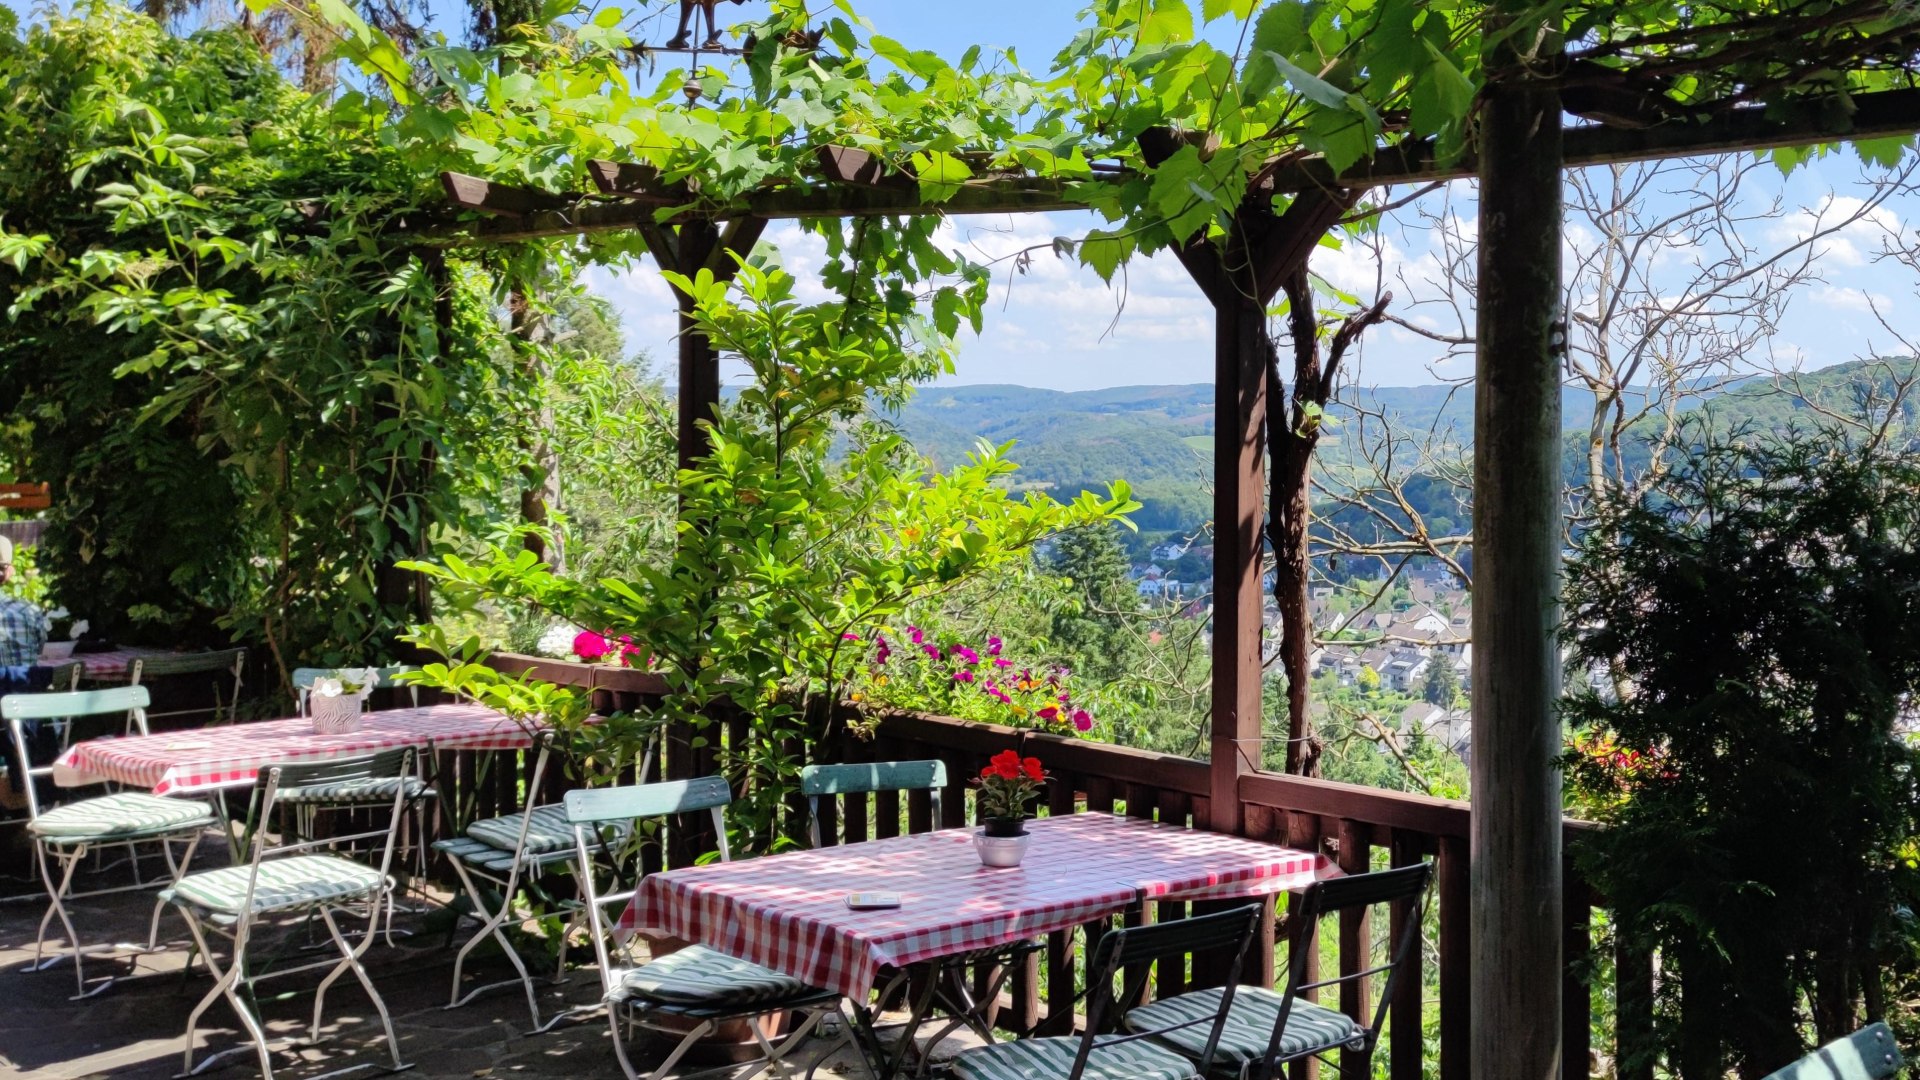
252	399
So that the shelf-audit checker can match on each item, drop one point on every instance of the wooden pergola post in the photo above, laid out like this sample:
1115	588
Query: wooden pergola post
1517	528
687	249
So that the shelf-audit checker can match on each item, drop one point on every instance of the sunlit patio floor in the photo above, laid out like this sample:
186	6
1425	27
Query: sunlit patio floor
135	1028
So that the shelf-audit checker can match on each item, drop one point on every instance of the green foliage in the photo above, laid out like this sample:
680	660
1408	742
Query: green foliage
785	547
1764	603
1103	629
250	405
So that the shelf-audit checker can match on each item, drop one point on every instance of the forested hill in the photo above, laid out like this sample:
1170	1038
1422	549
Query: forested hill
1158	437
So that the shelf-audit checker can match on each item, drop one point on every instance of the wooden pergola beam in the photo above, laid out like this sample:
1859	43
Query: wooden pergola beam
526	214
1882	114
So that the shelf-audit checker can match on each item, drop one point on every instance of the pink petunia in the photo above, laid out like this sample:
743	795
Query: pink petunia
590	646
881	653
963	676
1002	662
932	651
966	654
1082	720
1051	712
849	636
916	635
993	646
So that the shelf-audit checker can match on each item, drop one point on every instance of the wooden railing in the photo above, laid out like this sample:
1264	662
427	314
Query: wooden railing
1357	827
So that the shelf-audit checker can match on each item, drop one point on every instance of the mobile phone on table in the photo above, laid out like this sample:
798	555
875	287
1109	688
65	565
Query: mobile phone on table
872	901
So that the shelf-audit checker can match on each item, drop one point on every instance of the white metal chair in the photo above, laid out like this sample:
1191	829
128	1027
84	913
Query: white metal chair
304	678
1867	1054
507	853
294	879
695	984
313	800
223	662
63	835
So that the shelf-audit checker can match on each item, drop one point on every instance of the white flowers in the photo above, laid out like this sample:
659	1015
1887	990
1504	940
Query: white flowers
347	682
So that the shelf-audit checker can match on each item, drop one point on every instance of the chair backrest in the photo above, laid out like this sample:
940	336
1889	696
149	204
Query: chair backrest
65	677
389	677
279	779
1406	884
590	808
1867	1054
127	702
1129	955
860	781
223	661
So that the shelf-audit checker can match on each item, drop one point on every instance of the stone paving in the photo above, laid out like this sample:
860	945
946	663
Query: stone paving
135	1028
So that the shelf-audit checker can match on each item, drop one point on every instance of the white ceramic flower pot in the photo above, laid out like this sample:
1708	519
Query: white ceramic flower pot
1001	851
334	715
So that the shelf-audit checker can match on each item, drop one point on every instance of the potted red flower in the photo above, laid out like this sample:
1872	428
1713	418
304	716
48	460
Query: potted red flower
1005	787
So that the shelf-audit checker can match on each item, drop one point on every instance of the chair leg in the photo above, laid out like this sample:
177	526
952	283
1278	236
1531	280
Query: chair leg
492	927
176	869
227	984
352	959
700	1031
57	905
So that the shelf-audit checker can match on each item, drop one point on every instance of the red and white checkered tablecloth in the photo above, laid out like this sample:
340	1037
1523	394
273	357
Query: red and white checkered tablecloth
789	912
233	754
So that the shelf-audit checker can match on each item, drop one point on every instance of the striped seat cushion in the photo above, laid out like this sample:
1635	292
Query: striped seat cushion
301	881
492	859
697	975
1250	1022
120	814
364	790
1052	1059
548	833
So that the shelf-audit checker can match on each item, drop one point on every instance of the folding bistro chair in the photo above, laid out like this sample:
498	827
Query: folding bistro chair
1265	1029
1141	1051
851	784
1867	1054
224	662
63	835
304	678
505	853
695	984
316	799
293	879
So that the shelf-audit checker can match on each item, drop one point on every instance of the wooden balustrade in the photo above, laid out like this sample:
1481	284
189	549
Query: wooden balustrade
1356	827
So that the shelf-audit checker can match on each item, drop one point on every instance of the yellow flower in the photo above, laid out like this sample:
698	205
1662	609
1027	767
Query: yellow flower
858	696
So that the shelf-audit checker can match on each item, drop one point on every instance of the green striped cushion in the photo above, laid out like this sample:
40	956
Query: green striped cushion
120	814
301	881
549	832
364	790
697	975
487	857
1052	1059
1250	1022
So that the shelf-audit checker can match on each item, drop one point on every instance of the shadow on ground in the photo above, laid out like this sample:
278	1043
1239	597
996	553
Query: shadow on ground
136	1027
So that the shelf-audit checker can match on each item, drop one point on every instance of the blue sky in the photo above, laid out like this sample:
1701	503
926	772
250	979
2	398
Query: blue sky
1059	326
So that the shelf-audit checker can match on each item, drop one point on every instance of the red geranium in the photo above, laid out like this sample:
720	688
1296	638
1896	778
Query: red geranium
1008	783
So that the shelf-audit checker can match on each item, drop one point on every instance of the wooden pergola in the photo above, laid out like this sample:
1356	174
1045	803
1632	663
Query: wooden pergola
1525	144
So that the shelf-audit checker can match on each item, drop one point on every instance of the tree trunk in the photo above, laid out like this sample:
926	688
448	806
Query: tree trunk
540	490
1291	438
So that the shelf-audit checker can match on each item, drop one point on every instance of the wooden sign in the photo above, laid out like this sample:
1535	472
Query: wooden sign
24	497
